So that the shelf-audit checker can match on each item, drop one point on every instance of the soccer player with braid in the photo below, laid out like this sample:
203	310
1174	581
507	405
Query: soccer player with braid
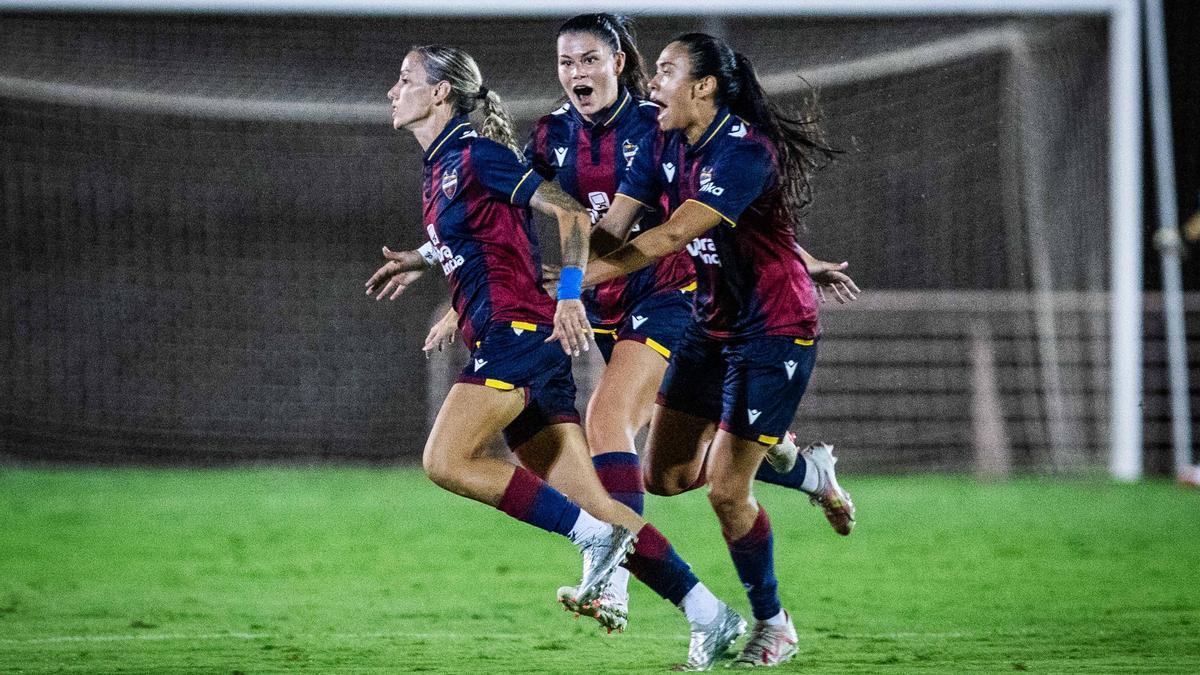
587	145
476	197
732	169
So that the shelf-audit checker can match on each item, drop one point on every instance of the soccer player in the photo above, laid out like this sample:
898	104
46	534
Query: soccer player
733	171
587	145
476	194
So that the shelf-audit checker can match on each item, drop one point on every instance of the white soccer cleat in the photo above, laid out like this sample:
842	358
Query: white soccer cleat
601	557
782	456
709	642
833	500
611	609
768	645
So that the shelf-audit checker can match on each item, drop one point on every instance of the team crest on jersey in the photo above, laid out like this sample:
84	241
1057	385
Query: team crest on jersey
629	149
706	184
450	183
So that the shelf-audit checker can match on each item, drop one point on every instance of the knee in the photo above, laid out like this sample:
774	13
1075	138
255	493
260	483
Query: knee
610	429
727	503
667	484
438	468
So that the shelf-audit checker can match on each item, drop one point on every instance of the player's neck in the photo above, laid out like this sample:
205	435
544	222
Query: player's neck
704	117
426	130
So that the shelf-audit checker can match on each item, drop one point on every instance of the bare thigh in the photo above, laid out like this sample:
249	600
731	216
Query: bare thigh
455	455
624	398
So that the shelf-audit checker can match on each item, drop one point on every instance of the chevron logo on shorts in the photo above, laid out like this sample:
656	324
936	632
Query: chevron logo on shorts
638	321
479	363
790	366
753	414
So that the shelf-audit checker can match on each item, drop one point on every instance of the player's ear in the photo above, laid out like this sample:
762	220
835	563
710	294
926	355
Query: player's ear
441	91
705	87
619	63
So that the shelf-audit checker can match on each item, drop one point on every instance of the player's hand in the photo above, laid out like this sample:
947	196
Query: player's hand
441	334
571	327
830	276
390	278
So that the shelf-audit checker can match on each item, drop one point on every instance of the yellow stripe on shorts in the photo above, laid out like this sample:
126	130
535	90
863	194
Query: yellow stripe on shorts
658	348
499	384
768	440
803	342
690	287
604	331
524	325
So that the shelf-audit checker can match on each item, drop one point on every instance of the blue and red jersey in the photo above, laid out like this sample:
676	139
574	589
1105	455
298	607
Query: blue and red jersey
476	196
589	160
750	277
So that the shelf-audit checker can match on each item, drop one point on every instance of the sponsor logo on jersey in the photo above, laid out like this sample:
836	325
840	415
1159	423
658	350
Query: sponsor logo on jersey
560	155
669	169
753	414
705	249
479	363
790	367
598	204
629	149
638	321
706	184
450	183
445	256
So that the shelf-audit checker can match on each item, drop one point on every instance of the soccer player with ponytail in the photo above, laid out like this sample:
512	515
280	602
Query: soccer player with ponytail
733	170
476	197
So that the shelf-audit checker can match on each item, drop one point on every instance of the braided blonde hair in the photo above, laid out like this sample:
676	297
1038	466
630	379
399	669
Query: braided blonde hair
456	67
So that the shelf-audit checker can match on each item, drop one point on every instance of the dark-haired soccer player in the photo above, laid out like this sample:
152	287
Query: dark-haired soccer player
476	194
733	170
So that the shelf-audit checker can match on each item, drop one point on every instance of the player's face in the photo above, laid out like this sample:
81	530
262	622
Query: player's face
411	96
587	71
673	88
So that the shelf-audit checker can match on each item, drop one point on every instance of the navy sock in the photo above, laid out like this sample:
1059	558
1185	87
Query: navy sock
754	558
655	563
529	499
792	479
621	475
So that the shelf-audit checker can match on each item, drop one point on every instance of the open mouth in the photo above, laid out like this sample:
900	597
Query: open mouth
582	92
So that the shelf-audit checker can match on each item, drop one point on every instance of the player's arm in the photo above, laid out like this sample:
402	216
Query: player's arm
689	221
571	326
613	228
830	275
400	271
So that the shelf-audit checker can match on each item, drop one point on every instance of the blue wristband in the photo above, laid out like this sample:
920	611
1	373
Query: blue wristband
570	283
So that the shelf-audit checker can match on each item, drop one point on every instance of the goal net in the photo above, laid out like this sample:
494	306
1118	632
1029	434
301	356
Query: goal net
190	205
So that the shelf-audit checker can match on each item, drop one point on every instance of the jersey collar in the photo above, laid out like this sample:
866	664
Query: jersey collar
723	118
452	127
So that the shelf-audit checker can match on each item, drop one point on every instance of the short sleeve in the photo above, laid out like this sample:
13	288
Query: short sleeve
499	170
641	181
735	179
535	151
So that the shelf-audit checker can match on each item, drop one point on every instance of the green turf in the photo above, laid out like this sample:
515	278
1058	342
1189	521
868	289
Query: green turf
357	570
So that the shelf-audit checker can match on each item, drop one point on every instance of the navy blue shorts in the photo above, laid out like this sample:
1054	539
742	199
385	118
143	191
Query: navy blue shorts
750	387
517	356
657	322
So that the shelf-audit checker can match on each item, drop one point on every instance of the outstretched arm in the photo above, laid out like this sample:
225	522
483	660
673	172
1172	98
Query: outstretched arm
613	228
689	221
398	273
830	275
571	326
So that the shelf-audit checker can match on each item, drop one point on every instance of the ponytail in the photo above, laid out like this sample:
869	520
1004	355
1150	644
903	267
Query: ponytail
456	67
616	31
797	136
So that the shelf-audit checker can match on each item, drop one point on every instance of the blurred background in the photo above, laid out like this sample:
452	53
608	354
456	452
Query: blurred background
191	201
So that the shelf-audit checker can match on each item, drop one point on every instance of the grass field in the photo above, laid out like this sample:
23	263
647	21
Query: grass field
326	570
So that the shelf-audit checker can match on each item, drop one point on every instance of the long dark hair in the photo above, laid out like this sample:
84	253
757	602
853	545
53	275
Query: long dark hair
617	32
798	139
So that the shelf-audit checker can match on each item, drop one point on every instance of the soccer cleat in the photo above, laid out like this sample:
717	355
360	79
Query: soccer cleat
782	455
610	609
709	642
768	645
601	556
833	500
